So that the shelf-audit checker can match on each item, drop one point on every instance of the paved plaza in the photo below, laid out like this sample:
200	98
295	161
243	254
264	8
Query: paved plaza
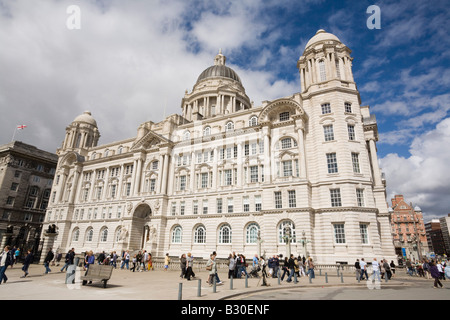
165	285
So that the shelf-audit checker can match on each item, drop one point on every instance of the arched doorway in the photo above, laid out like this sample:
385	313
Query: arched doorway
139	230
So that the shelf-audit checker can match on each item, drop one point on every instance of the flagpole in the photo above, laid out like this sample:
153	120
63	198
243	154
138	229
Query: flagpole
14	135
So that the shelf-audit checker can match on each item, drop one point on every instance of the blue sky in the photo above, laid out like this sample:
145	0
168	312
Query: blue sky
131	61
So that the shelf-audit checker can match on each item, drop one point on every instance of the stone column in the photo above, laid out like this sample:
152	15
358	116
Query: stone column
164	178
375	167
49	242
302	151
267	156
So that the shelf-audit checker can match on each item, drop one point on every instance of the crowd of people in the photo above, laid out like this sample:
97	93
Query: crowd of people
430	269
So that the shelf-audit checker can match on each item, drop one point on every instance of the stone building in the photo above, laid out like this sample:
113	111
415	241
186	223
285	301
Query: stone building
297	174
408	229
26	178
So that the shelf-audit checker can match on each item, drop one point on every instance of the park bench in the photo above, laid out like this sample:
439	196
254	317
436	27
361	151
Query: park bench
98	272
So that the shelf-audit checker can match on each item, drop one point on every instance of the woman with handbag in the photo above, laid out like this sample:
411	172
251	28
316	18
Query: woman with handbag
212	268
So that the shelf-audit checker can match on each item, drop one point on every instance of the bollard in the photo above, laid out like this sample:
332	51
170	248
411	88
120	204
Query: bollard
295	277
342	278
180	289
310	276
320	272
199	288
246	281
386	278
279	277
231	282
214	285
326	277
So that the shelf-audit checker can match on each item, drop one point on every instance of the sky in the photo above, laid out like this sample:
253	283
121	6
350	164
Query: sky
131	61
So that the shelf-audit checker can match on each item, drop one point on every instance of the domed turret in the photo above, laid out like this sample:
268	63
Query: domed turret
325	59
218	91
82	133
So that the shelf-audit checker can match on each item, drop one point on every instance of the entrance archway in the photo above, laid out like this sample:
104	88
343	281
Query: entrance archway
141	216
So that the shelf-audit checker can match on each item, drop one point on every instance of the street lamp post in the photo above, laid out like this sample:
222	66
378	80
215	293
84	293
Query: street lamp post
304	242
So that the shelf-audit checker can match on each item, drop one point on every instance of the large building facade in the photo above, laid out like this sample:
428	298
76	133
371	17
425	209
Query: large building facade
225	175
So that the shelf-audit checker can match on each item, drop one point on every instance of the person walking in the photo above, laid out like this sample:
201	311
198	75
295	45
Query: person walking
114	259
231	266
6	260
68	259
89	259
285	268
166	262
126	260
387	269
26	263
183	266
48	258
150	262
363	265
134	260
211	266
291	267
392	265
144	261
310	265
357	269
376	269
189	265
435	274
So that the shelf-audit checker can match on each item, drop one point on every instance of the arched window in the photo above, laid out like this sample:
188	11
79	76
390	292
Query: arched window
322	71
200	235
252	233
207	131
89	235
104	235
229	126
176	234
76	235
186	136
225	234
286	230
286	143
253	121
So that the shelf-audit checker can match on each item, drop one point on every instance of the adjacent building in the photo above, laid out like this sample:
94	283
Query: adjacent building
408	229
296	174
435	237
445	229
26	179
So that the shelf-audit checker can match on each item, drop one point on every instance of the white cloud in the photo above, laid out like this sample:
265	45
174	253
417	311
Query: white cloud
129	63
423	178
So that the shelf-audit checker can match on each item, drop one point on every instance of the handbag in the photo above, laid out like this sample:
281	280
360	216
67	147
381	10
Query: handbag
209	268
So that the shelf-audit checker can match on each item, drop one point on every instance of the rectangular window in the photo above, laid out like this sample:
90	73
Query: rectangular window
17	174
14	186
360	197
326	108
254	174
284	116
287	168
339	233
204	180
258	204
128	189
152	184
228	177
292	199
328	132
174	208
182	183
99	193
205	206
364	233
113	191
246	204
355	162
119	212
348	107
278	200
219	205
351	132
230	205
335	197
195	207
332	163
246	149
182	207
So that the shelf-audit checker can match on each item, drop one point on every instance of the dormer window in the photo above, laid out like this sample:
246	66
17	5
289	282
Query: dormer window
253	121
207	131
229	126
186	136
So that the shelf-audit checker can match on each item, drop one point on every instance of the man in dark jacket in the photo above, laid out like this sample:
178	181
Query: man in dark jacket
291	267
26	264
6	260
48	258
68	259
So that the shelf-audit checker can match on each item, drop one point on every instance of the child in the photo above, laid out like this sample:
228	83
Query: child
166	262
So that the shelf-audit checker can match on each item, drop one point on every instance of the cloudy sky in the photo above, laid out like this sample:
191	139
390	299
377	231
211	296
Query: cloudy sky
131	61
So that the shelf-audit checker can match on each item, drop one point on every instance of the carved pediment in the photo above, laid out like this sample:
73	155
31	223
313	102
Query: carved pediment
149	140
